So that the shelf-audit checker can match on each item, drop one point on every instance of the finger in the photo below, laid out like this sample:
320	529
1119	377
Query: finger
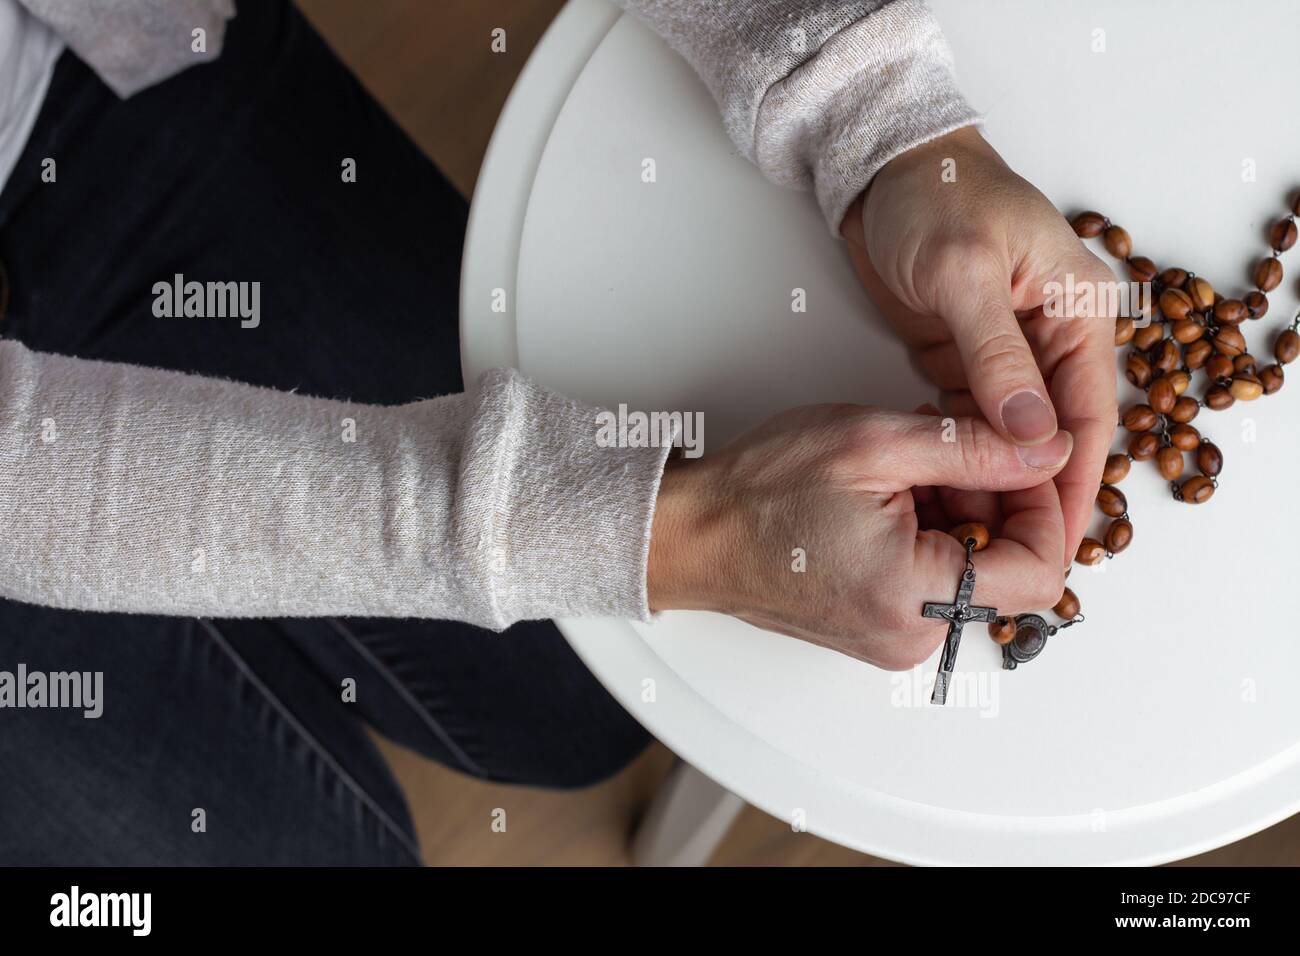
1018	572
942	365
963	505
1080	352
929	509
956	505
959	404
1000	366
902	450
1032	536
1084	388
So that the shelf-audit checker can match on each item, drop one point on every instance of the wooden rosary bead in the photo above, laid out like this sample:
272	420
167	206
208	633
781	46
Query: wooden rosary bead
1197	354
1201	293
1185	409
1295	204
1118	242
1119	535
1188	330
1197	490
1143	447
1256	304
1138	371
1185	437
1179	380
1175	303
1164	355
1175	278
1218	367
1140	418
971	529
1141	269
1124	330
1231	312
1283	235
1161	396
1169	462
1268	274
1229	341
1245	364
1111	501
1209	459
1068	606
1246	387
1088	225
1090	552
1116	469
1287	347
1218	398
1272	378
1002	630
1148	335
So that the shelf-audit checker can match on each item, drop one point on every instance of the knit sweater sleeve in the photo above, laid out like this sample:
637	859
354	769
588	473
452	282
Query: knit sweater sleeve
819	93
133	489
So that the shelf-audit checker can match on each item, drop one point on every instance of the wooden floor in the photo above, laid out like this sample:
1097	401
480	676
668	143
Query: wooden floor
431	65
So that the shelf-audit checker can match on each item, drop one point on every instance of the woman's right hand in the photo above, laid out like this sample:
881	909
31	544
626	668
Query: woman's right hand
961	267
853	489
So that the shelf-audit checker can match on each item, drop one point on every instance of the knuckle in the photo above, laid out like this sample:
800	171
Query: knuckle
1001	354
1099	273
895	618
868	427
1103	303
914	649
911	638
868	436
979	453
1046	585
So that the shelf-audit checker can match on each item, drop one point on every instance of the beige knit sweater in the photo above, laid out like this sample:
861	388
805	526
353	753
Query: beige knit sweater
132	489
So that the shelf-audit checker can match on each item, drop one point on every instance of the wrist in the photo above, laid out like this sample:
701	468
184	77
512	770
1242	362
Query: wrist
680	571
926	159
965	143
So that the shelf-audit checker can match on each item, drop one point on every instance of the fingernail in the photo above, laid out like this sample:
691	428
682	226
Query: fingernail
1049	454
1027	417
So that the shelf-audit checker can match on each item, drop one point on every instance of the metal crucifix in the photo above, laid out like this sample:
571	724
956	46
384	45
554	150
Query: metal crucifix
958	614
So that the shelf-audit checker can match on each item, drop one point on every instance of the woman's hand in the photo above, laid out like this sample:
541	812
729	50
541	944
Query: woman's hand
957	251
835	484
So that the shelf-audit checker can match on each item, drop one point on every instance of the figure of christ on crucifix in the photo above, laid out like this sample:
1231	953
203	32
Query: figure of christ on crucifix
958	614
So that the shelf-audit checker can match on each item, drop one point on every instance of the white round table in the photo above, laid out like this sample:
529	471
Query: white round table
1165	725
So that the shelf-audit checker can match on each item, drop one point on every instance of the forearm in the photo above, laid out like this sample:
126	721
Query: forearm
819	94
132	489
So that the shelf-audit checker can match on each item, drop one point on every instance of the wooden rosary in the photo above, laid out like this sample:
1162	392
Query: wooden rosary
1191	328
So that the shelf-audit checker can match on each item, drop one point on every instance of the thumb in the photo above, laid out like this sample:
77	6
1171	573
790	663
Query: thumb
907	450
1000	368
